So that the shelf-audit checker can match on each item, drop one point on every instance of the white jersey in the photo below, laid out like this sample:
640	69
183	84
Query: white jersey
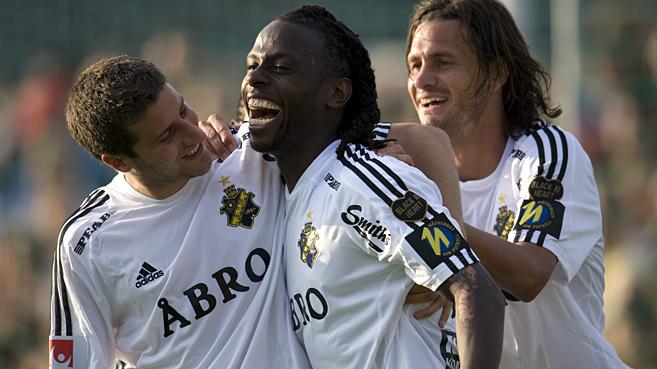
360	229
191	281
544	192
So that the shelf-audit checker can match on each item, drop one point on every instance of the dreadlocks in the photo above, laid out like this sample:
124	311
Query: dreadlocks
347	58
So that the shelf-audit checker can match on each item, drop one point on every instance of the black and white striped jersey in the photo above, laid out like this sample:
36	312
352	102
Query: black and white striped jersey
192	281
360	229
544	192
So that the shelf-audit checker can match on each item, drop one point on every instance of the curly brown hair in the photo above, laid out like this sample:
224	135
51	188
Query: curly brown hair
499	45
107	98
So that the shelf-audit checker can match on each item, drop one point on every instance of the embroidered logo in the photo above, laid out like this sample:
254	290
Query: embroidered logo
307	242
504	221
238	205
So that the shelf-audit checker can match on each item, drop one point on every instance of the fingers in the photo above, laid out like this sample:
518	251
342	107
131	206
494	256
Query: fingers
220	141
396	151
444	316
418	298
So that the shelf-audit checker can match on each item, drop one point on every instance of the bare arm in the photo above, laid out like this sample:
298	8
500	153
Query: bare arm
431	151
479	317
521	269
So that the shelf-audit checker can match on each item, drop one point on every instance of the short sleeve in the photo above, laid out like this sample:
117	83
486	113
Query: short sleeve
81	334
395	213
559	203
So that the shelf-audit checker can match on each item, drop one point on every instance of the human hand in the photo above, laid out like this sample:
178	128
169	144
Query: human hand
219	138
420	294
396	151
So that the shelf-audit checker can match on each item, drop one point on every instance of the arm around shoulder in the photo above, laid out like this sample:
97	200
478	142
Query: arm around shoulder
432	153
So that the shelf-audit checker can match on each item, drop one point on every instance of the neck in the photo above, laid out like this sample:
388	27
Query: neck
478	153
293	163
157	191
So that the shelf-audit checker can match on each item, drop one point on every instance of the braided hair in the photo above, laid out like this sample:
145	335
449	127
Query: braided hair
347	57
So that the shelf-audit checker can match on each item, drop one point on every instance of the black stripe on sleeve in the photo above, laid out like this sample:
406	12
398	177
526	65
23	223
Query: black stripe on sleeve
390	172
61	295
564	149
381	131
347	163
541	151
365	163
553	152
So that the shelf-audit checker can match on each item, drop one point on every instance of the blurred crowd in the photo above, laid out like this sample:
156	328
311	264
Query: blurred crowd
44	174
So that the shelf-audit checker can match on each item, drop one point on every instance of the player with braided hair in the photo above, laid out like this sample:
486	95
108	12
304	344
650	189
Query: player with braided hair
360	229
347	58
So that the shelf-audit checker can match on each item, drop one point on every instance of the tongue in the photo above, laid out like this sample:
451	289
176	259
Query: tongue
263	113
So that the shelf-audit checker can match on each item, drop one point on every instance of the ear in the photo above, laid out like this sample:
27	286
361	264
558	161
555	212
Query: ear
340	93
116	162
500	76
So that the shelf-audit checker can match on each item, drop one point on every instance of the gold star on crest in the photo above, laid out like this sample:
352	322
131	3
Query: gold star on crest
309	214
224	180
501	198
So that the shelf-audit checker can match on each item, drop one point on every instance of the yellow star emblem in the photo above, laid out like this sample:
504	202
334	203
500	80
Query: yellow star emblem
501	198
309	215
225	180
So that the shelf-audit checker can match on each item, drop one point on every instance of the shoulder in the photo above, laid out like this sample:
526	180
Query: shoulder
411	133
388	178
548	148
87	220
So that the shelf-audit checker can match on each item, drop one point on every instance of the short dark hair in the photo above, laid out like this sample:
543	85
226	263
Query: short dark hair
347	57
497	43
107	98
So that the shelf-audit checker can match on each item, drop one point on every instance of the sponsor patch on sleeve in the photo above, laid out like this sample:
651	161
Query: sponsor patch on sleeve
66	352
436	240
410	208
541	215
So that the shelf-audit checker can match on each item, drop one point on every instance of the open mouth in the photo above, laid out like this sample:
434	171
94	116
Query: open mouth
193	152
432	101
262	111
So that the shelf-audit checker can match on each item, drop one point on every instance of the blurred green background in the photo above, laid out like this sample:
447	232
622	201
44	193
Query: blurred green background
602	54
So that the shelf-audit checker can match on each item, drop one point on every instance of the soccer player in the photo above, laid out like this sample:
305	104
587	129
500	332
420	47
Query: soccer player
528	188
359	229
176	263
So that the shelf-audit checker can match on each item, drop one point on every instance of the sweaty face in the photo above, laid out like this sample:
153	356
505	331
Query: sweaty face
169	145
283	86
441	82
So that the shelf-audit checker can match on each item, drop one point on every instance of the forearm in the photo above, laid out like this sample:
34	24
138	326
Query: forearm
431	151
520	269
479	318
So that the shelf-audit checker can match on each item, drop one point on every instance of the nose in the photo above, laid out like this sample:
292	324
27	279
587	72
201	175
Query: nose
256	76
423	78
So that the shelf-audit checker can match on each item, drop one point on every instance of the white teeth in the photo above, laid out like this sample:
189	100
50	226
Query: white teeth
193	151
427	101
255	104
259	121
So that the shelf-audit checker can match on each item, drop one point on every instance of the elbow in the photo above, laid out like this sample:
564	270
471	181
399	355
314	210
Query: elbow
531	285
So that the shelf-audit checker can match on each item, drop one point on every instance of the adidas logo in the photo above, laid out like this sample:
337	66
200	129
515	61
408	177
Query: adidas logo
147	274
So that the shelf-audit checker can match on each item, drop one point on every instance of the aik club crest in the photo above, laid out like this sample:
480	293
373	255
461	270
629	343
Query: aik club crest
504	221
239	207
307	241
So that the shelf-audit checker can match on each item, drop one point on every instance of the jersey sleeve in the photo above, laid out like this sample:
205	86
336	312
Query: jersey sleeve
81	333
395	213
559	204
